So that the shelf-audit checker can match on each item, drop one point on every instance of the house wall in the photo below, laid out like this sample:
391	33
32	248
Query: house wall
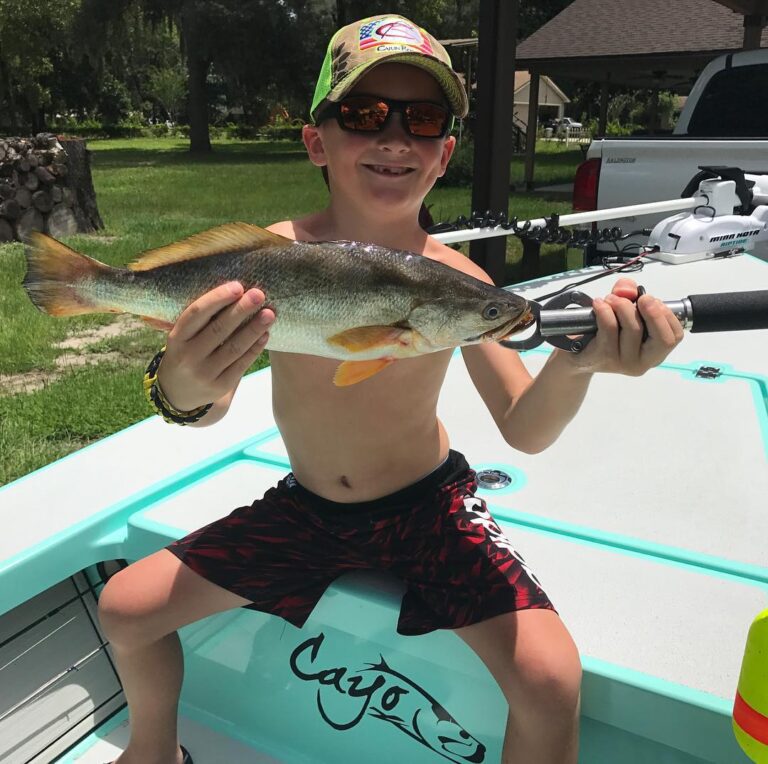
551	104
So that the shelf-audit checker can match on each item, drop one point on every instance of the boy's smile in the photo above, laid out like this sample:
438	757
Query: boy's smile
383	169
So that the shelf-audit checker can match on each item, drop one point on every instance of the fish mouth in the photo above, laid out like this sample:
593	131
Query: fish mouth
514	325
523	322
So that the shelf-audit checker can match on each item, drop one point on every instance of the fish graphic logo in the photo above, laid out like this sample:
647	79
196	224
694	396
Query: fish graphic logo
385	694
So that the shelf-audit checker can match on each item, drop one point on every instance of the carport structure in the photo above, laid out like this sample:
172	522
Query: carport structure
653	44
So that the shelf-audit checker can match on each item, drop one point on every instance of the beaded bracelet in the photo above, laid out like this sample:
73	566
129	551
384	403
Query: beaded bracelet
159	402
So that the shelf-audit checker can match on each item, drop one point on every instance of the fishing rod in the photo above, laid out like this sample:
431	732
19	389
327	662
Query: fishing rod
488	225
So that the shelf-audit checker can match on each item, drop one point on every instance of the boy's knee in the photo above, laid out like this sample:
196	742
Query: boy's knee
549	687
123	620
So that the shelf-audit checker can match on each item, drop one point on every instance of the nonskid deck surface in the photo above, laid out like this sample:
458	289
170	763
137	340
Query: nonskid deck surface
645	523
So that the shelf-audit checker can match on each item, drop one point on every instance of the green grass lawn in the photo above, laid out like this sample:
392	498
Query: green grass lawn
151	192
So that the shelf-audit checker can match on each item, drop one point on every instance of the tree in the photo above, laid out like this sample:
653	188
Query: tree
535	13
31	34
106	58
168	86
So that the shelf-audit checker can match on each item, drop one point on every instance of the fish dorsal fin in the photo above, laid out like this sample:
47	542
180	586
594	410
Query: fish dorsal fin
229	237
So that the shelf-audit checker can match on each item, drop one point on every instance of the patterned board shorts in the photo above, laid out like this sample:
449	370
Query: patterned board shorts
283	551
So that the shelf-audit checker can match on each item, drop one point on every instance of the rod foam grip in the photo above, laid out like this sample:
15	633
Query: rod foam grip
729	311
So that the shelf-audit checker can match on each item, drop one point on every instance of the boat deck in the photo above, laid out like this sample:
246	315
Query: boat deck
645	523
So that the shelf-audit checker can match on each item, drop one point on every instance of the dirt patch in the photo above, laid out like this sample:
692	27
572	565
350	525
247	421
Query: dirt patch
30	381
26	382
101	238
122	324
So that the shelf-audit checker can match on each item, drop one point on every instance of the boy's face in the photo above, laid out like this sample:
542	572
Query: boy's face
391	170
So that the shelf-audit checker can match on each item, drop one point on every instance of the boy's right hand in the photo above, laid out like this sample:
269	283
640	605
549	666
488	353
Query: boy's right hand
212	344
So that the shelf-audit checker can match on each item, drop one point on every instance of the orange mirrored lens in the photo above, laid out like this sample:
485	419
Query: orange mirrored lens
365	114
425	119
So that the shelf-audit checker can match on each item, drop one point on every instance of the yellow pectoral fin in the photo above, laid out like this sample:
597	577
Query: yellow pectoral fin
352	372
157	323
367	337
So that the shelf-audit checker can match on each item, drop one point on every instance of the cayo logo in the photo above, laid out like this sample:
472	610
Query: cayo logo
383	693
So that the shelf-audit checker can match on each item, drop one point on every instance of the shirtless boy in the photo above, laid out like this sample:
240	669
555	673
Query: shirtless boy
389	481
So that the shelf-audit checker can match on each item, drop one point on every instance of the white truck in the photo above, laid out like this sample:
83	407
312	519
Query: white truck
724	123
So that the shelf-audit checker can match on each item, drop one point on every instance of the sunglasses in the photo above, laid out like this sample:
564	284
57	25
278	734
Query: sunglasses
370	114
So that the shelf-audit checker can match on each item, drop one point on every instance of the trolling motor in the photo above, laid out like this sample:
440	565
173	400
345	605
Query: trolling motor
711	229
724	213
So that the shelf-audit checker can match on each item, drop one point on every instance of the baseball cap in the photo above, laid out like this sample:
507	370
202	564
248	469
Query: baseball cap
358	47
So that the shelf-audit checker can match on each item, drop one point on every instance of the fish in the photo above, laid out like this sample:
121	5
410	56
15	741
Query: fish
362	304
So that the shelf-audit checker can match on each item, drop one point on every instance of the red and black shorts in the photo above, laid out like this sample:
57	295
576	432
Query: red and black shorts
283	551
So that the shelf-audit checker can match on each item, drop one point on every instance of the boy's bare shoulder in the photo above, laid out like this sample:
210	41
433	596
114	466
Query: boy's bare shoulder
444	254
283	228
304	229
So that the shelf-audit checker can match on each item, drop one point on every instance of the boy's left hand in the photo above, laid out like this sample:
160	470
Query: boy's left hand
619	346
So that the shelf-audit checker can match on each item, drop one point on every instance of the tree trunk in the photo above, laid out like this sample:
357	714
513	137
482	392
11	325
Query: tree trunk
197	73
79	180
341	13
199	137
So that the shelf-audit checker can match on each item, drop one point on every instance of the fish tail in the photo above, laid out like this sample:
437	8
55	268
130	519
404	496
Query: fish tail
57	278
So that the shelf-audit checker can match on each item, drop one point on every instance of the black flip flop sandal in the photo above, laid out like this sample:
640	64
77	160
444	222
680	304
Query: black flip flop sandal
185	753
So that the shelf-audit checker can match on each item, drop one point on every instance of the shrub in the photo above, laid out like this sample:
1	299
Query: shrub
281	132
461	166
612	127
242	132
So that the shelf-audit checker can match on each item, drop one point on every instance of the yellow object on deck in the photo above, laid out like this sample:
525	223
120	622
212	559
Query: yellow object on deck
750	709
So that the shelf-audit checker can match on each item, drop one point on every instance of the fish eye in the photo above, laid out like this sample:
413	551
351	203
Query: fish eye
491	312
